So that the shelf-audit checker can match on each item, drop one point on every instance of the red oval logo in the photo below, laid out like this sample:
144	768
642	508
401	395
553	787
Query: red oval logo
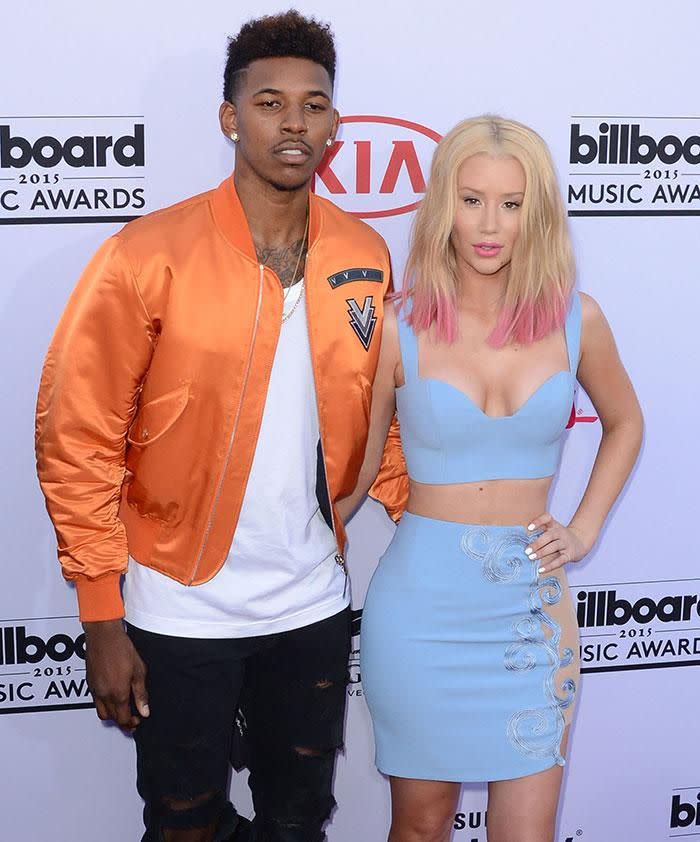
378	166
577	417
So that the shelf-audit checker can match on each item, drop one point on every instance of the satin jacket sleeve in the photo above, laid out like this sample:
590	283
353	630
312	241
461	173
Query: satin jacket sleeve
391	486
89	390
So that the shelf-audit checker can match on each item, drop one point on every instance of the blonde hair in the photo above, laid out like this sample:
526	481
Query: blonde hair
541	276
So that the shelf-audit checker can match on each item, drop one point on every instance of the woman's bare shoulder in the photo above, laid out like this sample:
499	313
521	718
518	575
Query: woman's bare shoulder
591	312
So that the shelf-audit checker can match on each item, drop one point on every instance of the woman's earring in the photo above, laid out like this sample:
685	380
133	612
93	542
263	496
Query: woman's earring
329	142
234	137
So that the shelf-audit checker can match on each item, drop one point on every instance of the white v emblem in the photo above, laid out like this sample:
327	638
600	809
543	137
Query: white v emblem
362	319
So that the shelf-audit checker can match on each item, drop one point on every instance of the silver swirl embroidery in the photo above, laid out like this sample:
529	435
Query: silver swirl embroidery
500	561
535	732
530	731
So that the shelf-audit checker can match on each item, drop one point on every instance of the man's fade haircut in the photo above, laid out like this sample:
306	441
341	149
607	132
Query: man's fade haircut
286	35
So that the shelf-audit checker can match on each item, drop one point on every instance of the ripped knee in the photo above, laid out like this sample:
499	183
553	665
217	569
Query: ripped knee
292	831
199	811
180	805
303	751
307	751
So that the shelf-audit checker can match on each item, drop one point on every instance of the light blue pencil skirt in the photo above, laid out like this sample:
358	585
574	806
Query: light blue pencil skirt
469	660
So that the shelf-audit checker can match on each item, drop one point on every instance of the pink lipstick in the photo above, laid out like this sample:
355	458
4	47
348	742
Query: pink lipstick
488	249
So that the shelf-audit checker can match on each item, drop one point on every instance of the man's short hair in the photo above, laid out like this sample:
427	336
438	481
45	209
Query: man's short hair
289	34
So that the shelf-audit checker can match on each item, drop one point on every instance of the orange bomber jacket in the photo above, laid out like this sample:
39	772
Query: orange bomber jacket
154	385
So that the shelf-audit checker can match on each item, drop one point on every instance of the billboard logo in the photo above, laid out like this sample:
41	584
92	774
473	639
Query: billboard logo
624	143
685	813
47	151
71	169
42	666
634	166
648	625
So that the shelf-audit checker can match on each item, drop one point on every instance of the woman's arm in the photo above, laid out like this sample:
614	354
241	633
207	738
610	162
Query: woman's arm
605	380
389	373
607	384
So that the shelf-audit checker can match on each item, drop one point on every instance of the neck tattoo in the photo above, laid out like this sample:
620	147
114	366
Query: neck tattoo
283	261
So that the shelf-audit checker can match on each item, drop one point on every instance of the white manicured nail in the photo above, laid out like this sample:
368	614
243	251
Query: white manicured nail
531	527
540	569
528	552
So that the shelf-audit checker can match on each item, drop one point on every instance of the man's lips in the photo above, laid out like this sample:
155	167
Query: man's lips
293	153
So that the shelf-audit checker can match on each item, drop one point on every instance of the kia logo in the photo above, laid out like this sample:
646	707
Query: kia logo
378	167
577	417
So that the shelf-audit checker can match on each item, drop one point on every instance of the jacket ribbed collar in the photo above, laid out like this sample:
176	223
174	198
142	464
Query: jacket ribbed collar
231	219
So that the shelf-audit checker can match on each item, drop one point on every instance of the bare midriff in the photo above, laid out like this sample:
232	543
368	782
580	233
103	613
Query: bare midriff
501	502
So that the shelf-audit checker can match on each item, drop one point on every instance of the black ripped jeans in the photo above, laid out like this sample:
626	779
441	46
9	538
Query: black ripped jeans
291	691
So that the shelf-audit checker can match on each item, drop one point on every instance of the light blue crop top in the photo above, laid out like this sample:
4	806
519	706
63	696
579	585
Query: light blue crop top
446	438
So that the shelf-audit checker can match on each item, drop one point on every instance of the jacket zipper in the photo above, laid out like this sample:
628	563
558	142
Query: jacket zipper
219	487
339	560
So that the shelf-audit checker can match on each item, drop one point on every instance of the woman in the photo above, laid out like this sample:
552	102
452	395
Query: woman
469	637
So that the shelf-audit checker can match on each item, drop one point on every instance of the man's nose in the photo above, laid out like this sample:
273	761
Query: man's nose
294	120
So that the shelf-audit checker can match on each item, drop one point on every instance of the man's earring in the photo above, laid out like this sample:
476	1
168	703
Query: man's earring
329	142
234	137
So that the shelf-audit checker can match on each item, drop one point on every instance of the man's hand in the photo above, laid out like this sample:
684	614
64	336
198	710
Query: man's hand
115	672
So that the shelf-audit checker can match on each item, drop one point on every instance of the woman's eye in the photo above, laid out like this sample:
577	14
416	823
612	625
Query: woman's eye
511	205
471	200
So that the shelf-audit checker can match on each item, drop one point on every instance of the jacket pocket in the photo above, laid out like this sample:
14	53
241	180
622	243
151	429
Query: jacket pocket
156	417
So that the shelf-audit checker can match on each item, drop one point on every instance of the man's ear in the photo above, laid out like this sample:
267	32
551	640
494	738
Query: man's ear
228	120
336	123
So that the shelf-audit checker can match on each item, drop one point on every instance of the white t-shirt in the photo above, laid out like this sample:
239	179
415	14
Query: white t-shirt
281	571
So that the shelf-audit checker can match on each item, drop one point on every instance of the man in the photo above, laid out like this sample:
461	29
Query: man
204	405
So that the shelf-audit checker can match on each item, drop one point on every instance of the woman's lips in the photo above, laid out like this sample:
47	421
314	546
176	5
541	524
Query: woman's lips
488	249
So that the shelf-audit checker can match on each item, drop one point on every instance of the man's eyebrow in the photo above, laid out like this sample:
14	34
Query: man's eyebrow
276	92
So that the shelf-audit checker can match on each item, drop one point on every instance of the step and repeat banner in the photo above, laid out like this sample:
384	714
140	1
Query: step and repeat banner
108	112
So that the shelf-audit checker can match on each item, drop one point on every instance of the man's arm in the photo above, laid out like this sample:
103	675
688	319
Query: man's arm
87	400
381	413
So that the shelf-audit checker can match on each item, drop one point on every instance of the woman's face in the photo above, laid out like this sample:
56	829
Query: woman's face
490	192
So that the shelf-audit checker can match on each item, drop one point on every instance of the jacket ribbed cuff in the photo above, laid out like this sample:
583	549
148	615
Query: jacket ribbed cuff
100	599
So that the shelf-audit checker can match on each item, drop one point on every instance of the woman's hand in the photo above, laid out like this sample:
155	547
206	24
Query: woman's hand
557	545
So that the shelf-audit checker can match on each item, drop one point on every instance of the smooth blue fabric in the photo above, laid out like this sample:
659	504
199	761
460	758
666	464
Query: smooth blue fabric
459	658
446	438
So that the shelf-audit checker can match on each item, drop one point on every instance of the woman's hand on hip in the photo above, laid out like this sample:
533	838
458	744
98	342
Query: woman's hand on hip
557	545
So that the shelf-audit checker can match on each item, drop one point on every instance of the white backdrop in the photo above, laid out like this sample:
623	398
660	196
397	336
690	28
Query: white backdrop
596	69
